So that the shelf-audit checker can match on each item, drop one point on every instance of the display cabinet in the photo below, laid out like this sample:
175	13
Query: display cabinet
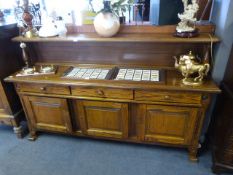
87	97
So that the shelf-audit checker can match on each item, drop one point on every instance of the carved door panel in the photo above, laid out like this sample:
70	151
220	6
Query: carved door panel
104	119
169	124
48	113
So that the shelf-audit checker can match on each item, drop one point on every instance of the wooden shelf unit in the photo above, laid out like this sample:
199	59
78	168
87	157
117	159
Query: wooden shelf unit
167	113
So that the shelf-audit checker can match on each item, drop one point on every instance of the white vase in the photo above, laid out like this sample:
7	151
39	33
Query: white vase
106	24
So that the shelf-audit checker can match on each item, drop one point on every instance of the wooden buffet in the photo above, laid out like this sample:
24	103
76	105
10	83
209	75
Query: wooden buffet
164	112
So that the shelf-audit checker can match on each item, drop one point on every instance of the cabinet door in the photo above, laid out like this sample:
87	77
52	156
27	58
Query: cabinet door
105	119
169	124
48	113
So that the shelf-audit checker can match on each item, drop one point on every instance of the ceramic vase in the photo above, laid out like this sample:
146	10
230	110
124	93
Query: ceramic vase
106	24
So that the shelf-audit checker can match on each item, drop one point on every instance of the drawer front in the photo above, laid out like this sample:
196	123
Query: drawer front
43	88
102	92
172	97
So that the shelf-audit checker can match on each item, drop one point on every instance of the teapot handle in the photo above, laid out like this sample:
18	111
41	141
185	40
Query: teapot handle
207	57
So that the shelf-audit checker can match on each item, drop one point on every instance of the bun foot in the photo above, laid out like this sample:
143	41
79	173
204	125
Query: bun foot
32	136
18	131
193	154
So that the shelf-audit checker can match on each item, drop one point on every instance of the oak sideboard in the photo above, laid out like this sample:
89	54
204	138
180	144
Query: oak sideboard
164	112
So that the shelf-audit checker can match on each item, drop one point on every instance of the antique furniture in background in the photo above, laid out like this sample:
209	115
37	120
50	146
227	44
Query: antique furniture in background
11	112
165	112
223	124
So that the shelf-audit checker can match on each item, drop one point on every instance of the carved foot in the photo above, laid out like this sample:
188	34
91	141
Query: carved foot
18	131
193	158
193	154
32	136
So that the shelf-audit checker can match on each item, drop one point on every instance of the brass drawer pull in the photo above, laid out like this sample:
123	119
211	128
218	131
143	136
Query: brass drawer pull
43	88
100	92
167	97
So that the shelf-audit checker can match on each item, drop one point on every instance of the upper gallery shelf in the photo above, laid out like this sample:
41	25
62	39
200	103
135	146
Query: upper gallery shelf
127	33
123	37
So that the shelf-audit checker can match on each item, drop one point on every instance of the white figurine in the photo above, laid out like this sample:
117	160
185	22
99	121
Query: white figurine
188	17
49	28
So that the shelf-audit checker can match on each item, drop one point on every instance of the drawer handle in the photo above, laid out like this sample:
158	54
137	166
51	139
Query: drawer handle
43	88
100	92
167	97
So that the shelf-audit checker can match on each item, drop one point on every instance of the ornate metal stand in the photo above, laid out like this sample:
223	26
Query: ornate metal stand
34	70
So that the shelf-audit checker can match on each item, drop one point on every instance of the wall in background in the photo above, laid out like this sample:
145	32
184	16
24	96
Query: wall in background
222	16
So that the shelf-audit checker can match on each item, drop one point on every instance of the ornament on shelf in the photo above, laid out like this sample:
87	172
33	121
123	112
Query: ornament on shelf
29	70
186	27
110	13
49	28
30	30
192	69
106	23
24	54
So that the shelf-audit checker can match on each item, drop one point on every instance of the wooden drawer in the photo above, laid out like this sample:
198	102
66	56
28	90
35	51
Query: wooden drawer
172	97
102	92
43	88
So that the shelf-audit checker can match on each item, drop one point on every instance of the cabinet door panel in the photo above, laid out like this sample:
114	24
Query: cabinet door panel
1	105
169	124
4	105
48	113
104	119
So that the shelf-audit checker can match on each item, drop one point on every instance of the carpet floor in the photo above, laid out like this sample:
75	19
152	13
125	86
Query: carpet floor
53	154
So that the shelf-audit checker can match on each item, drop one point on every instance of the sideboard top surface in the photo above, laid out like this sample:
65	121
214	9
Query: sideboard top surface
172	81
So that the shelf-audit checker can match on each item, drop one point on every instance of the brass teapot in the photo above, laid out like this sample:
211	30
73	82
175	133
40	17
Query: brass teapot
192	70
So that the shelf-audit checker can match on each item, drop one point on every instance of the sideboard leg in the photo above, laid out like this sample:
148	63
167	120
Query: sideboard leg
16	123
193	154
18	131
33	136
